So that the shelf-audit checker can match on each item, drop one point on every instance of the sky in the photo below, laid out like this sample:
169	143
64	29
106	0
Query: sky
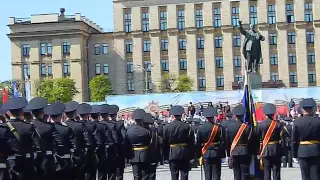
99	11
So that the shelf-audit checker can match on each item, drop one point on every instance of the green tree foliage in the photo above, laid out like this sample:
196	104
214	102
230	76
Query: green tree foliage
184	84
167	83
61	89
100	86
8	85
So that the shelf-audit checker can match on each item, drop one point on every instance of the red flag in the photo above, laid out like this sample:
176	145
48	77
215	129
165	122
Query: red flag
4	95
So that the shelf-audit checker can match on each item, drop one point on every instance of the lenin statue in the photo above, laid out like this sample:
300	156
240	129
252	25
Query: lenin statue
251	49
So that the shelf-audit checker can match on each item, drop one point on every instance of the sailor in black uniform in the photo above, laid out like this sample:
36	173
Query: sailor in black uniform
286	142
5	136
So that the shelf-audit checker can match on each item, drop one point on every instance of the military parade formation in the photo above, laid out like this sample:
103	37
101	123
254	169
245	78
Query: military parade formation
72	141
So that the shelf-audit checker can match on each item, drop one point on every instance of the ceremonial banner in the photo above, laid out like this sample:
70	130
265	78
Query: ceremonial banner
15	92
4	95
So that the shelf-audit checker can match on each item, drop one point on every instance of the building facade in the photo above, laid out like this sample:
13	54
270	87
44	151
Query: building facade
152	38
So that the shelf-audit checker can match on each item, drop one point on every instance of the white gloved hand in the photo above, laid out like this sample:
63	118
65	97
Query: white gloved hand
295	160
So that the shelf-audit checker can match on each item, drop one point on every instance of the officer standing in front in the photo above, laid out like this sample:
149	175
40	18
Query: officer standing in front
24	142
286	142
306	141
83	111
269	132
211	140
82	139
45	162
238	142
178	137
65	143
139	139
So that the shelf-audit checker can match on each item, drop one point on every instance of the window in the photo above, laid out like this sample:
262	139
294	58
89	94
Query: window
200	43
202	82
146	46
66	48
66	68
217	17
293	77
271	14
310	37
163	21
129	67
290	13
235	16
181	20
236	41
26	70
130	85
272	39
201	64
128	46
238	78
49	69
199	19
237	61
182	44
26	50
311	58
253	15
127	22
312	76
164	44
220	81
145	22
165	65
274	59
274	76
308	12
147	66
291	37
98	69
43	69
219	62
105	68
97	49
105	48
45	49
292	59
218	42
183	64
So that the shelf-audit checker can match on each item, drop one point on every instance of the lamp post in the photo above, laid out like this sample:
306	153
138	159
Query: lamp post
145	75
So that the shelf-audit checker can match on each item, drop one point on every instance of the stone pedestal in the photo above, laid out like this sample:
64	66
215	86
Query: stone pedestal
255	80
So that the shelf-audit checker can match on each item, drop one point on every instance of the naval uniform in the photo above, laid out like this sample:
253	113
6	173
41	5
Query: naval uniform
216	150
179	140
138	139
286	143
306	142
5	136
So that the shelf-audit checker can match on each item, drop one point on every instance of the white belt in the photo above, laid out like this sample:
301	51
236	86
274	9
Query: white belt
48	152
66	156
28	155
3	165
14	156
72	150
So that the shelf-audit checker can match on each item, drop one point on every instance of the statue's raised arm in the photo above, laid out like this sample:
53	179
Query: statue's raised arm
242	31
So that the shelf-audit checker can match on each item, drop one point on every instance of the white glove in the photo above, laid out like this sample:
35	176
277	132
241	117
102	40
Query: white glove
295	160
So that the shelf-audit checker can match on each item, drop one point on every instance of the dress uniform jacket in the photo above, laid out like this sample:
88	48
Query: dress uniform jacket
91	128
46	133
5	136
21	157
120	132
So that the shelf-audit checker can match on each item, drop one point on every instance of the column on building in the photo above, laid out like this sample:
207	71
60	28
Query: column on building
301	55
173	39
57	67
316	18
244	11
263	28
118	16
121	66
16	60
76	64
228	71
207	11
34	66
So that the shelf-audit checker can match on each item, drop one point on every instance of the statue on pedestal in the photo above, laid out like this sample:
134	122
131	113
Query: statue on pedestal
251	49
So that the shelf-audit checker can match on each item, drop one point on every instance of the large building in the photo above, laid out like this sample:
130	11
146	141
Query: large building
153	37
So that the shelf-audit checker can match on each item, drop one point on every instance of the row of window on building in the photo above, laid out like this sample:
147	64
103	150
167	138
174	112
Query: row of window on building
216	21
218	42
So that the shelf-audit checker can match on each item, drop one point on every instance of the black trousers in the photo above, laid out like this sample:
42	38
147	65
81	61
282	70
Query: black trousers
310	168
182	166
272	163
153	171
287	159
212	168
140	171
22	169
241	165
63	175
4	174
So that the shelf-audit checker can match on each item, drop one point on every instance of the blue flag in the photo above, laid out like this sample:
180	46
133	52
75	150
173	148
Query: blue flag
15	91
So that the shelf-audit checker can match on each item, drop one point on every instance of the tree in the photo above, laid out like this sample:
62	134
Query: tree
167	83
100	86
8	85
184	83
61	89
